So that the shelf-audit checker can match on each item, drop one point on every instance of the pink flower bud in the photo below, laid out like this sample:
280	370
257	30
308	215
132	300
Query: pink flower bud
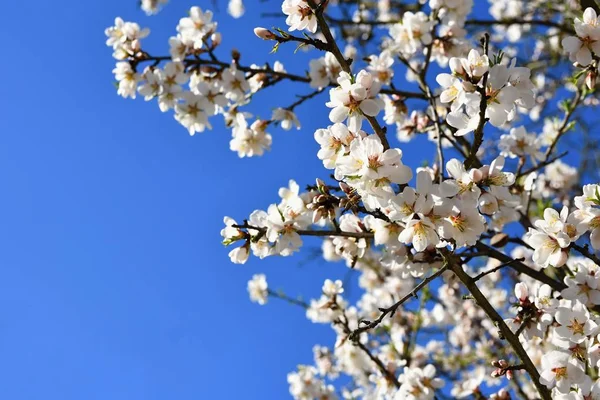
590	79
521	291
476	175
264	33
215	38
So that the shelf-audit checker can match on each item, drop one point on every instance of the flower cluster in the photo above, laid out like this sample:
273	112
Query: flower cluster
504	87
553	235
191	87
570	331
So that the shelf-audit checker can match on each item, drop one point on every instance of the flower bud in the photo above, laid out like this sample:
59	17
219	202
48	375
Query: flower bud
476	175
264	33
239	255
562	260
215	38
235	54
456	66
590	79
345	187
521	291
322	187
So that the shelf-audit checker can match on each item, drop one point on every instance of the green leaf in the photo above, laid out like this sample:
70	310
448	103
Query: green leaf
299	47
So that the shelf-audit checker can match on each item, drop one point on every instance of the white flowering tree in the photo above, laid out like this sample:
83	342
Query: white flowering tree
478	271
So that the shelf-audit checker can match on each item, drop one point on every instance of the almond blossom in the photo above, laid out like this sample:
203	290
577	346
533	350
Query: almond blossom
299	15
587	41
353	99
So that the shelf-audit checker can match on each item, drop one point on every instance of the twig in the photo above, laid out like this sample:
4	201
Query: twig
565	122
335	50
478	134
585	251
290	300
520	267
392	309
519	21
387	373
541	165
491	271
302	99
305	232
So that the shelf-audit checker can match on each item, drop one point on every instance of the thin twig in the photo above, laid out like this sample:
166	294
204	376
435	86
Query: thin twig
392	309
478	134
335	50
491	271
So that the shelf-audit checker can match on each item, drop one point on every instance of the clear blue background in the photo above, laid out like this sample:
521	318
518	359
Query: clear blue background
113	281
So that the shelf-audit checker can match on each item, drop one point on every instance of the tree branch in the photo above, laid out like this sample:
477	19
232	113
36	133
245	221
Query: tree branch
335	50
519	266
478	134
589	3
512	339
392	309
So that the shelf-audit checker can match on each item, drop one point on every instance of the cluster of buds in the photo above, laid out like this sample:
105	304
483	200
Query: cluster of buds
527	312
323	204
417	122
503	369
352	199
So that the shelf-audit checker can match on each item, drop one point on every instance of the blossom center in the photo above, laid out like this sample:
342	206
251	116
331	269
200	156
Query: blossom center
577	327
560	372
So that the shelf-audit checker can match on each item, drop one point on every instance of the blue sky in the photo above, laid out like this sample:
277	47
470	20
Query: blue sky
114	284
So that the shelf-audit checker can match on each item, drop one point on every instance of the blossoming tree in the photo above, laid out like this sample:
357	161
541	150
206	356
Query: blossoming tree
479	270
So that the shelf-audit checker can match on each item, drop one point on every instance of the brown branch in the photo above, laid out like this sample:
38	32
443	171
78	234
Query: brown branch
302	99
589	3
541	165
474	22
387	373
506	332
335	50
305	232
564	127
478	134
307	41
499	267
290	300
519	266
520	21
585	251
392	309
254	71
